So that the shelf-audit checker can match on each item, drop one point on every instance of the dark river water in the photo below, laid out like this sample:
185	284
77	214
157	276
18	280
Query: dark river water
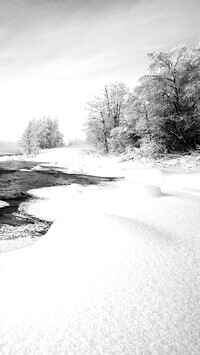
17	177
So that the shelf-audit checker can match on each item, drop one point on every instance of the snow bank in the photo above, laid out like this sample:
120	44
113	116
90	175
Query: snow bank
72	160
100	283
10	157
50	203
117	271
114	197
3	204
54	202
183	181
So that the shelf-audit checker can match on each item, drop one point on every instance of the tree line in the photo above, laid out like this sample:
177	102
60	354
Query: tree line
160	115
39	134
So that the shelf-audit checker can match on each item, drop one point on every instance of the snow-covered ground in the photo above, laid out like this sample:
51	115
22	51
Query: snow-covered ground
117	273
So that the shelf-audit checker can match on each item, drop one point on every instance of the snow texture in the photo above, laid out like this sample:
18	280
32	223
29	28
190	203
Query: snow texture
3	204
117	273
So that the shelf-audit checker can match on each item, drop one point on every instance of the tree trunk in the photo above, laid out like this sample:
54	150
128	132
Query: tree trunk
105	133
106	142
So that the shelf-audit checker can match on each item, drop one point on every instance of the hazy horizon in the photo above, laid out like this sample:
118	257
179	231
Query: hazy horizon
55	54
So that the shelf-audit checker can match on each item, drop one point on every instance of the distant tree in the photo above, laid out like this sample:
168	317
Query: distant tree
49	133
41	134
76	142
55	137
29	140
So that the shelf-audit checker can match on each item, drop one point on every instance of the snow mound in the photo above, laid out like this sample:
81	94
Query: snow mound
55	192
73	160
65	262
3	204
138	190
51	203
183	181
27	170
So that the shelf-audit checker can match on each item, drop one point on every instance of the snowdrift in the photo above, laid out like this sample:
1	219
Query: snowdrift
117	273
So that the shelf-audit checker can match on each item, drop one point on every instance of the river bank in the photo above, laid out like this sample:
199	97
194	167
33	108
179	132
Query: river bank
18	226
17	229
41	199
17	237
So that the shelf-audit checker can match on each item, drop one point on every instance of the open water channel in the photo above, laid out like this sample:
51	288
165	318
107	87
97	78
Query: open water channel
17	177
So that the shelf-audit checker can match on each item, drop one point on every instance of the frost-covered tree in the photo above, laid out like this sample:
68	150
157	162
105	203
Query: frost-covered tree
168	100
105	114
49	133
162	112
41	134
29	140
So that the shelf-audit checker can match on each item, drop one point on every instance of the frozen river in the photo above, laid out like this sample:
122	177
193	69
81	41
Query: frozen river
19	176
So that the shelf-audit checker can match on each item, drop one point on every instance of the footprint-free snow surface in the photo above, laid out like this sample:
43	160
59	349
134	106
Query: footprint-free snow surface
117	273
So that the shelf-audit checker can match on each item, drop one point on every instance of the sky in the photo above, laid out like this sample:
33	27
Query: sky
55	55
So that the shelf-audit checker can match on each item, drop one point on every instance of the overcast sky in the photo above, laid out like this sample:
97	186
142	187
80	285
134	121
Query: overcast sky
55	54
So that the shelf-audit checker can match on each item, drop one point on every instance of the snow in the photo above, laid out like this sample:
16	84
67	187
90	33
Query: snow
117	273
3	204
72	160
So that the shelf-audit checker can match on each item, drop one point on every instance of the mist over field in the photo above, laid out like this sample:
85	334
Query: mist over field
10	147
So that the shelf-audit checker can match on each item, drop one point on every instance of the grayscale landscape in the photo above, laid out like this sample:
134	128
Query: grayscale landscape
100	177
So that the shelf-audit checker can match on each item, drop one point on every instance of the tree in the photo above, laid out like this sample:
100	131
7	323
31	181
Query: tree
41	134
105	114
168	98
29	140
49	133
162	114
97	129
